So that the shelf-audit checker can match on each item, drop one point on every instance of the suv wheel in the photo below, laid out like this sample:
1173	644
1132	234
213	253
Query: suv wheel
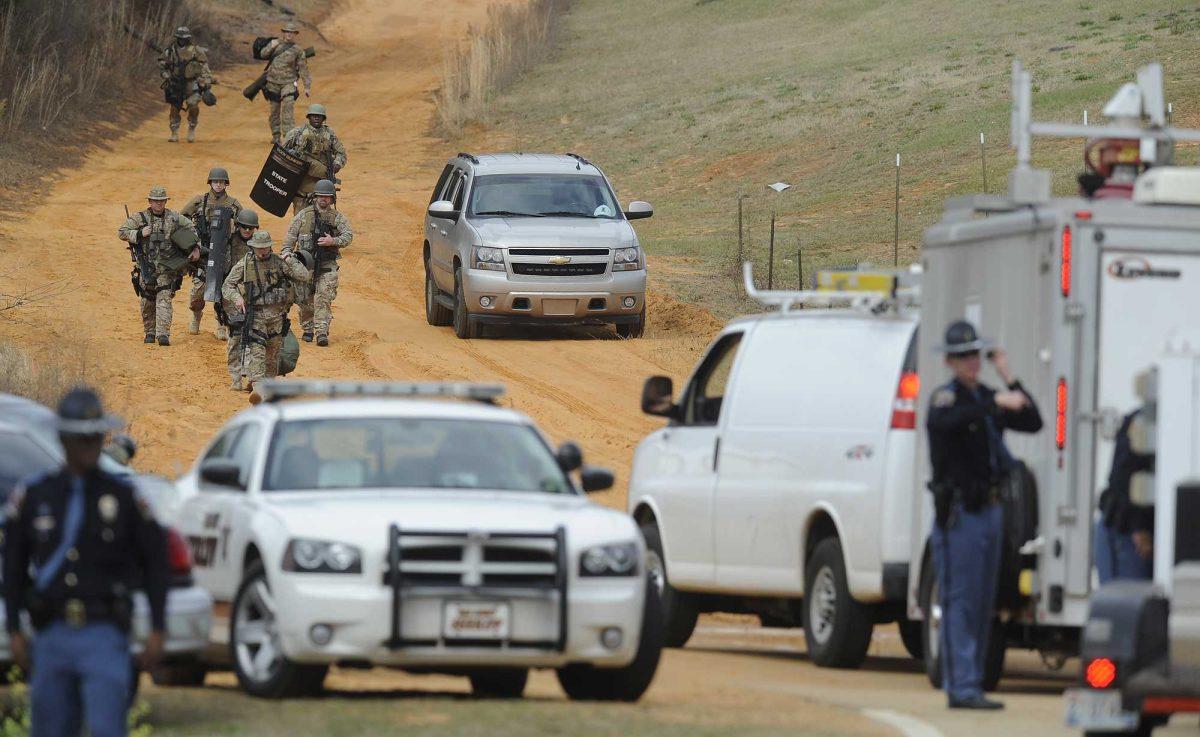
589	683
837	629
679	610
633	329
436	313
499	683
254	643
462	322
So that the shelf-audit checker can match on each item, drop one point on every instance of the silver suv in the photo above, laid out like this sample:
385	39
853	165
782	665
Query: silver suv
514	239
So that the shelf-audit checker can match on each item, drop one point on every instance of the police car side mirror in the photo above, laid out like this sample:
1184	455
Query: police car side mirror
594	478
657	397
638	210
221	472
443	209
569	456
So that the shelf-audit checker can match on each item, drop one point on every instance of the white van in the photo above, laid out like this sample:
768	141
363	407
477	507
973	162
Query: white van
782	484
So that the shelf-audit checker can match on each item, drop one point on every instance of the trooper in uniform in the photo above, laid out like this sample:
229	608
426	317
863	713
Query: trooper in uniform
970	466
1124	535
199	210
322	231
287	66
169	241
262	287
77	542
317	144
186	79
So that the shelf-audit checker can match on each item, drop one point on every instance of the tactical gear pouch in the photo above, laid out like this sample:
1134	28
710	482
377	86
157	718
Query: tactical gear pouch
208	98
184	239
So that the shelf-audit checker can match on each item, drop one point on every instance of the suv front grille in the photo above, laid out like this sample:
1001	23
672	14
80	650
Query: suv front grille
585	269
558	251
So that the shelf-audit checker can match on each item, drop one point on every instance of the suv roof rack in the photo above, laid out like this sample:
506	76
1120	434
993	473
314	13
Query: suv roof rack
580	159
468	157
905	291
274	390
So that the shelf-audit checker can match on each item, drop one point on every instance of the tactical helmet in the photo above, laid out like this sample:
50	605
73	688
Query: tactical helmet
81	414
183	32
961	337
262	239
219	174
158	192
290	27
247	218
305	258
325	187
316	109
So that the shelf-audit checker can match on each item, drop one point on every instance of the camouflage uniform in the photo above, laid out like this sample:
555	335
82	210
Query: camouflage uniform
238	250
316	300
186	70
321	148
167	261
199	208
273	282
288	65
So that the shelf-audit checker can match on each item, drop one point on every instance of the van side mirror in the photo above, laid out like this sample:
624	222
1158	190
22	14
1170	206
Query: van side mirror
222	472
443	209
657	397
569	456
639	210
594	478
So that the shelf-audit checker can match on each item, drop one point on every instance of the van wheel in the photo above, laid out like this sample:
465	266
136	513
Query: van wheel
499	683
930	598
837	629
436	313
911	635
462	322
589	683
679	611
633	329
254	646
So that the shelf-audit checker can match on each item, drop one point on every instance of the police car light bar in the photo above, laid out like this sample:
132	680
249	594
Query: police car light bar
785	300
274	390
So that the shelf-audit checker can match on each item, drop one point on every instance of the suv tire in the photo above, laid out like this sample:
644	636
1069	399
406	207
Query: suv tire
837	628
633	329
279	678
679	610
589	683
436	313
462	318
931	631
499	683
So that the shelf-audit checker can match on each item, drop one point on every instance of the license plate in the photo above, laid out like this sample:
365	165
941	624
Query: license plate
475	620
559	307
1098	710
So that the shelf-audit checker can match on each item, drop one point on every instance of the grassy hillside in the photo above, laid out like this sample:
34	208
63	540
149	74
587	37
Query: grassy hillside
689	103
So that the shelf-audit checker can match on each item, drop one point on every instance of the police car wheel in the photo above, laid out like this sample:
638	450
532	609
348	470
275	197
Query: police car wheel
837	628
255	647
588	683
184	673
679	610
436	313
499	683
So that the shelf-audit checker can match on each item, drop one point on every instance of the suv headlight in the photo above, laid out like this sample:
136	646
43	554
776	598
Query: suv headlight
609	560
318	556
488	258
627	259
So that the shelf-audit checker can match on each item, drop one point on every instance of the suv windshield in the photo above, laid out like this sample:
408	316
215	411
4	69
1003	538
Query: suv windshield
542	195
403	453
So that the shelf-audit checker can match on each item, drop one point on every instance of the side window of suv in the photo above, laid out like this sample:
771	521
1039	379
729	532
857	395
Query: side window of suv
441	183
461	192
704	397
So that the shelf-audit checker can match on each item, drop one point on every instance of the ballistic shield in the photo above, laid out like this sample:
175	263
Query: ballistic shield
278	181
219	230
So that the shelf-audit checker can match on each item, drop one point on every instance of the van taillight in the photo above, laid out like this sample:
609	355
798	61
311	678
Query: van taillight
179	557
1060	414
1064	274
1100	673
904	409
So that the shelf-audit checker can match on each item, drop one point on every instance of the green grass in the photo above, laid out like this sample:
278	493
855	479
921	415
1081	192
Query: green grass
689	103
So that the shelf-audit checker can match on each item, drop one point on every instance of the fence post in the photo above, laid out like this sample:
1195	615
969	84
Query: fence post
771	256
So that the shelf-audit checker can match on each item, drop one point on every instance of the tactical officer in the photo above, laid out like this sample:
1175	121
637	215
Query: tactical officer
262	288
316	143
970	466
246	225
77	542
1124	546
322	231
186	81
168	241
200	210
287	65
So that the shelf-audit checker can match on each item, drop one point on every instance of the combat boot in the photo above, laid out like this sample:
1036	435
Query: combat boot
164	340
194	325
222	333
307	337
174	135
191	136
322	340
149	338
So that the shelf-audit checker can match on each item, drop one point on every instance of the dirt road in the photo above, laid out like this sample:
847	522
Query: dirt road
376	80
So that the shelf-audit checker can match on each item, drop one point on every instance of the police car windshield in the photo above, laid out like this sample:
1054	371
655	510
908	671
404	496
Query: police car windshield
542	195
410	453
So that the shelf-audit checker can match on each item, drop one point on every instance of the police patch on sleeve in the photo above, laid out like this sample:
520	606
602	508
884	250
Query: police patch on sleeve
943	398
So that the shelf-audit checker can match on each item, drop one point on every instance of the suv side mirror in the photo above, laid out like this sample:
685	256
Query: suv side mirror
657	397
443	209
638	210
569	456
594	478
222	472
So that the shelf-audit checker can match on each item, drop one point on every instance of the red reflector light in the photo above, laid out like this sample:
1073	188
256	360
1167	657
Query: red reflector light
1064	274
1100	673
904	410
179	557
1083	214
1060	414
1169	704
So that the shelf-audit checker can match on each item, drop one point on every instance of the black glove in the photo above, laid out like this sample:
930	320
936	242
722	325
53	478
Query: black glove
943	497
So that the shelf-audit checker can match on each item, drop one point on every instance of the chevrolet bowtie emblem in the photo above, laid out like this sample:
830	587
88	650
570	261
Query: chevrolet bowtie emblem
560	260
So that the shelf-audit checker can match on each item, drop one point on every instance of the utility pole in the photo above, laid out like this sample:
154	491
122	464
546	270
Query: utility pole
799	268
896	237
983	161
741	253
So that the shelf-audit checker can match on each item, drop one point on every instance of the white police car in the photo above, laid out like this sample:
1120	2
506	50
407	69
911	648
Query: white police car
383	525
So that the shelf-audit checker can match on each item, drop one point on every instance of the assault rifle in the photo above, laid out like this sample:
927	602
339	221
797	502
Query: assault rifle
321	254
142	272
247	331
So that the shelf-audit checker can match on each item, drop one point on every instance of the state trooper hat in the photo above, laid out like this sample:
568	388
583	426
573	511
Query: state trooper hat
316	109
81	414
183	32
219	174
247	218
290	27
158	192
961	337
326	188
261	239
